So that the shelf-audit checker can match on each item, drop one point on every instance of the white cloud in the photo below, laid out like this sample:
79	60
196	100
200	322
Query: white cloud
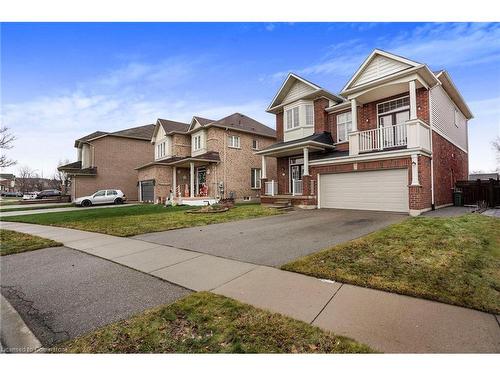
438	45
133	95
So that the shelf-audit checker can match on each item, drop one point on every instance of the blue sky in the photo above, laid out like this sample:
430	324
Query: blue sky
62	81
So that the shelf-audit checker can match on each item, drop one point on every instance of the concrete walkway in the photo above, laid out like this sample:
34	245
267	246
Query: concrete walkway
59	209
386	321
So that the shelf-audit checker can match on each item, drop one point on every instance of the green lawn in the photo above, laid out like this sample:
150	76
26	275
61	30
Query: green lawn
29	208
9	201
452	260
138	219
12	242
208	323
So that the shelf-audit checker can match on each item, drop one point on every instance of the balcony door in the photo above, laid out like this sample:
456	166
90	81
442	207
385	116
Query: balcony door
390	134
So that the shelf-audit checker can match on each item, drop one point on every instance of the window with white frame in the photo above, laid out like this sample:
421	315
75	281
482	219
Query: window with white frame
255	144
233	141
255	178
161	150
197	142
393	105
344	126
292	118
309	114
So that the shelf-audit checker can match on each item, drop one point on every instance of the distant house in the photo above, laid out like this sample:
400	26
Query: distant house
206	160
108	160
7	182
484	176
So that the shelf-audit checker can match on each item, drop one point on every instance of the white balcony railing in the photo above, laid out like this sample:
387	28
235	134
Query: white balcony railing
383	138
271	188
297	187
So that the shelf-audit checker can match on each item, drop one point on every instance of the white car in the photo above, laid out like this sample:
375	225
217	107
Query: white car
101	197
31	195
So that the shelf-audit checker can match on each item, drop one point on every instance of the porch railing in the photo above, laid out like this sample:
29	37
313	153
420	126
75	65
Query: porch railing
297	187
382	138
271	188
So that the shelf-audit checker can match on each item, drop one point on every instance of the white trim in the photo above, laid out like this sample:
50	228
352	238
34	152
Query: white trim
452	85
371	156
318	191
431	147
290	76
338	107
296	145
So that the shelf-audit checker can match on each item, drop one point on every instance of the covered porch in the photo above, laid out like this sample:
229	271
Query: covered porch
293	185
194	180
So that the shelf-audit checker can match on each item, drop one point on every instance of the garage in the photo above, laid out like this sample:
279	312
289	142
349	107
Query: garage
147	191
385	190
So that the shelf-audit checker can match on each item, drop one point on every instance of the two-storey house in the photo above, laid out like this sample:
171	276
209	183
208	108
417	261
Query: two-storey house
206	160
106	160
394	139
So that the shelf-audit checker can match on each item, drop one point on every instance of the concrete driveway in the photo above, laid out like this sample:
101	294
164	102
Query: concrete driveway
276	240
62	293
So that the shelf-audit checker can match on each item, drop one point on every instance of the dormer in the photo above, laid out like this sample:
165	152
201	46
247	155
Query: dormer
299	106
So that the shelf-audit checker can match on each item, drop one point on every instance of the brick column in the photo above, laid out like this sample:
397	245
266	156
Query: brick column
306	185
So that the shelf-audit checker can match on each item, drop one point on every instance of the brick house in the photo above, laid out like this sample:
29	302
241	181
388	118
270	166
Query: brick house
394	139
7	182
206	160
108	160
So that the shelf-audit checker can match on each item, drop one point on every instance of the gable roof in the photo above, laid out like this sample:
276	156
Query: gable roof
200	120
307	90
241	122
446	82
377	65
138	132
173	126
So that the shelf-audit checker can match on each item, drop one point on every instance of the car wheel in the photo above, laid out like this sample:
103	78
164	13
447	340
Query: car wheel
86	203
118	201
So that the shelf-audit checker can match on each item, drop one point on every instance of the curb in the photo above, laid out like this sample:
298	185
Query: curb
15	336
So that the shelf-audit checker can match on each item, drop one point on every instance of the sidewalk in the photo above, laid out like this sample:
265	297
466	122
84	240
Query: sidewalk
386	321
58	209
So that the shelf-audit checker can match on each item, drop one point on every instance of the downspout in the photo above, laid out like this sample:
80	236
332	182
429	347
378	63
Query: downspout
433	206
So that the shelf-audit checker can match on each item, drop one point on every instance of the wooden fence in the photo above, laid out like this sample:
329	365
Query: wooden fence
477	191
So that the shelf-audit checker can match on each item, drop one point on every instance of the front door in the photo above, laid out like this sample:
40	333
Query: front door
296	172
201	182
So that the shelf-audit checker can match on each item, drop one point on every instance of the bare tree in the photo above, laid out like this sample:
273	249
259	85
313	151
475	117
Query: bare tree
61	179
25	178
6	140
496	147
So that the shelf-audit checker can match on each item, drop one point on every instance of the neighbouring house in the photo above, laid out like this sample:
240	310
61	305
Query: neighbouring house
108	160
7	182
394	139
484	176
206	160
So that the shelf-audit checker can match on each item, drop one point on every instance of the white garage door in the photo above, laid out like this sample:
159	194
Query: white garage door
373	190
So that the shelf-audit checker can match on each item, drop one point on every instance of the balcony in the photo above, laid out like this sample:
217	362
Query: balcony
410	134
382	138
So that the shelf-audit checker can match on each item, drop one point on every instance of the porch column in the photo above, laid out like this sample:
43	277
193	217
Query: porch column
174	181
413	100
306	161
263	171
191	182
414	170
354	115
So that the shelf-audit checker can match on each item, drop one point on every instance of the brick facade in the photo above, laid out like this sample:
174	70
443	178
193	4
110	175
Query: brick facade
450	164
320	115
116	159
279	127
233	170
